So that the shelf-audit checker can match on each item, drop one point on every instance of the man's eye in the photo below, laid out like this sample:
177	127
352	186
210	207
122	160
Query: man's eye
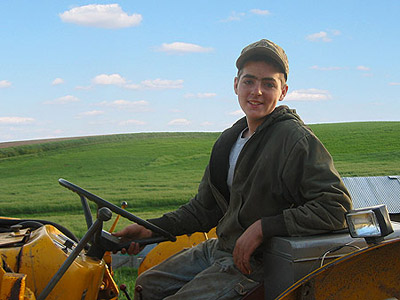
247	82
269	85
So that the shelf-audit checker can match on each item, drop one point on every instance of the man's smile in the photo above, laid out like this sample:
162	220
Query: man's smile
254	102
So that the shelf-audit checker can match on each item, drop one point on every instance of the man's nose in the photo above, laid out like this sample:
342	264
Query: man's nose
257	89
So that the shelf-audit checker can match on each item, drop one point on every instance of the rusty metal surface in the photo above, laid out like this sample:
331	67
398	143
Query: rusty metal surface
371	273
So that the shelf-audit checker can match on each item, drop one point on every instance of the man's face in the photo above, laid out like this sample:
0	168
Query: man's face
259	89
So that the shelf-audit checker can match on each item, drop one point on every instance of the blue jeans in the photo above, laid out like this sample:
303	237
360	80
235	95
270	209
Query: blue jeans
201	272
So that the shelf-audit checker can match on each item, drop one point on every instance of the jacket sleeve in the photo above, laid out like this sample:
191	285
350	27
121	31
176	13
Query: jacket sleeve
200	214
318	193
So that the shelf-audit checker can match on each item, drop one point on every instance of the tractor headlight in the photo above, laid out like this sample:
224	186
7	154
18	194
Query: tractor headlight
371	223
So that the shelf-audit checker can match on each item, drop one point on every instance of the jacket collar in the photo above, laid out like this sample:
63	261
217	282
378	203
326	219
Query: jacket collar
219	159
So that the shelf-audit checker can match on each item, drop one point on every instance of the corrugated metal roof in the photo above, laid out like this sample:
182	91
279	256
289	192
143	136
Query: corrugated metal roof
370	191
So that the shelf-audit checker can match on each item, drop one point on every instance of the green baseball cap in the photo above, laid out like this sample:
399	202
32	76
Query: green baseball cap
267	48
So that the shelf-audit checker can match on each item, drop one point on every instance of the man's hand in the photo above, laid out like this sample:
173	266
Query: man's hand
245	246
133	232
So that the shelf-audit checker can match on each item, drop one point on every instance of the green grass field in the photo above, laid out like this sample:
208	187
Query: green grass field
156	172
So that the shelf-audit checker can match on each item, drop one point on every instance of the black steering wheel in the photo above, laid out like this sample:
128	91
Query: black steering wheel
105	240
100	240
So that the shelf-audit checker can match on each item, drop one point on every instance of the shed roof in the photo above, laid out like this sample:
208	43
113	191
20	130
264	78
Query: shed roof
371	191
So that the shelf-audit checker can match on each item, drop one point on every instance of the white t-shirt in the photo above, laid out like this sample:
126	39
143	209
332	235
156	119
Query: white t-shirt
235	151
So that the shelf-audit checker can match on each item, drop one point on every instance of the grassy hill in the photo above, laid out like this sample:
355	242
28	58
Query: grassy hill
156	172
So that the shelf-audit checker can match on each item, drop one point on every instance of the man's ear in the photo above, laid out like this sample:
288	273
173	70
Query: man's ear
235	85
284	92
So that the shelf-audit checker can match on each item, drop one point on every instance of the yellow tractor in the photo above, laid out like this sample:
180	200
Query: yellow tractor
43	260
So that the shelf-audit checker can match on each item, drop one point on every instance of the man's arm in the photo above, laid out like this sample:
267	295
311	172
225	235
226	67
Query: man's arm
320	199
320	202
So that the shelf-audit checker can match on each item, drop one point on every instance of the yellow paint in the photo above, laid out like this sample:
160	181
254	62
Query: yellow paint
123	206
13	286
41	257
109	287
166	249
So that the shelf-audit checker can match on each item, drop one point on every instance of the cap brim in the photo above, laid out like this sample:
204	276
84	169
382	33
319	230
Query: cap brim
262	51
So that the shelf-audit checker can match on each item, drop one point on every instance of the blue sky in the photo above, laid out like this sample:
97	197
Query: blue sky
89	68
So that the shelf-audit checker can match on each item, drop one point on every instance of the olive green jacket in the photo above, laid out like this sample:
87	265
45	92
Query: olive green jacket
283	176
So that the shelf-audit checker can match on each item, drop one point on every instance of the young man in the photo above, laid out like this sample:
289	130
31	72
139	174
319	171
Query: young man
268	175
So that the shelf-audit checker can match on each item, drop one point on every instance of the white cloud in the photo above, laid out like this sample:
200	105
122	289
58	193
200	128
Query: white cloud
394	83
15	120
113	79
260	12
159	84
4	84
91	113
206	123
179	47
132	122
200	95
64	100
109	16
125	104
326	68
324	36
57	81
118	80
319	36
179	122
308	95
363	68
